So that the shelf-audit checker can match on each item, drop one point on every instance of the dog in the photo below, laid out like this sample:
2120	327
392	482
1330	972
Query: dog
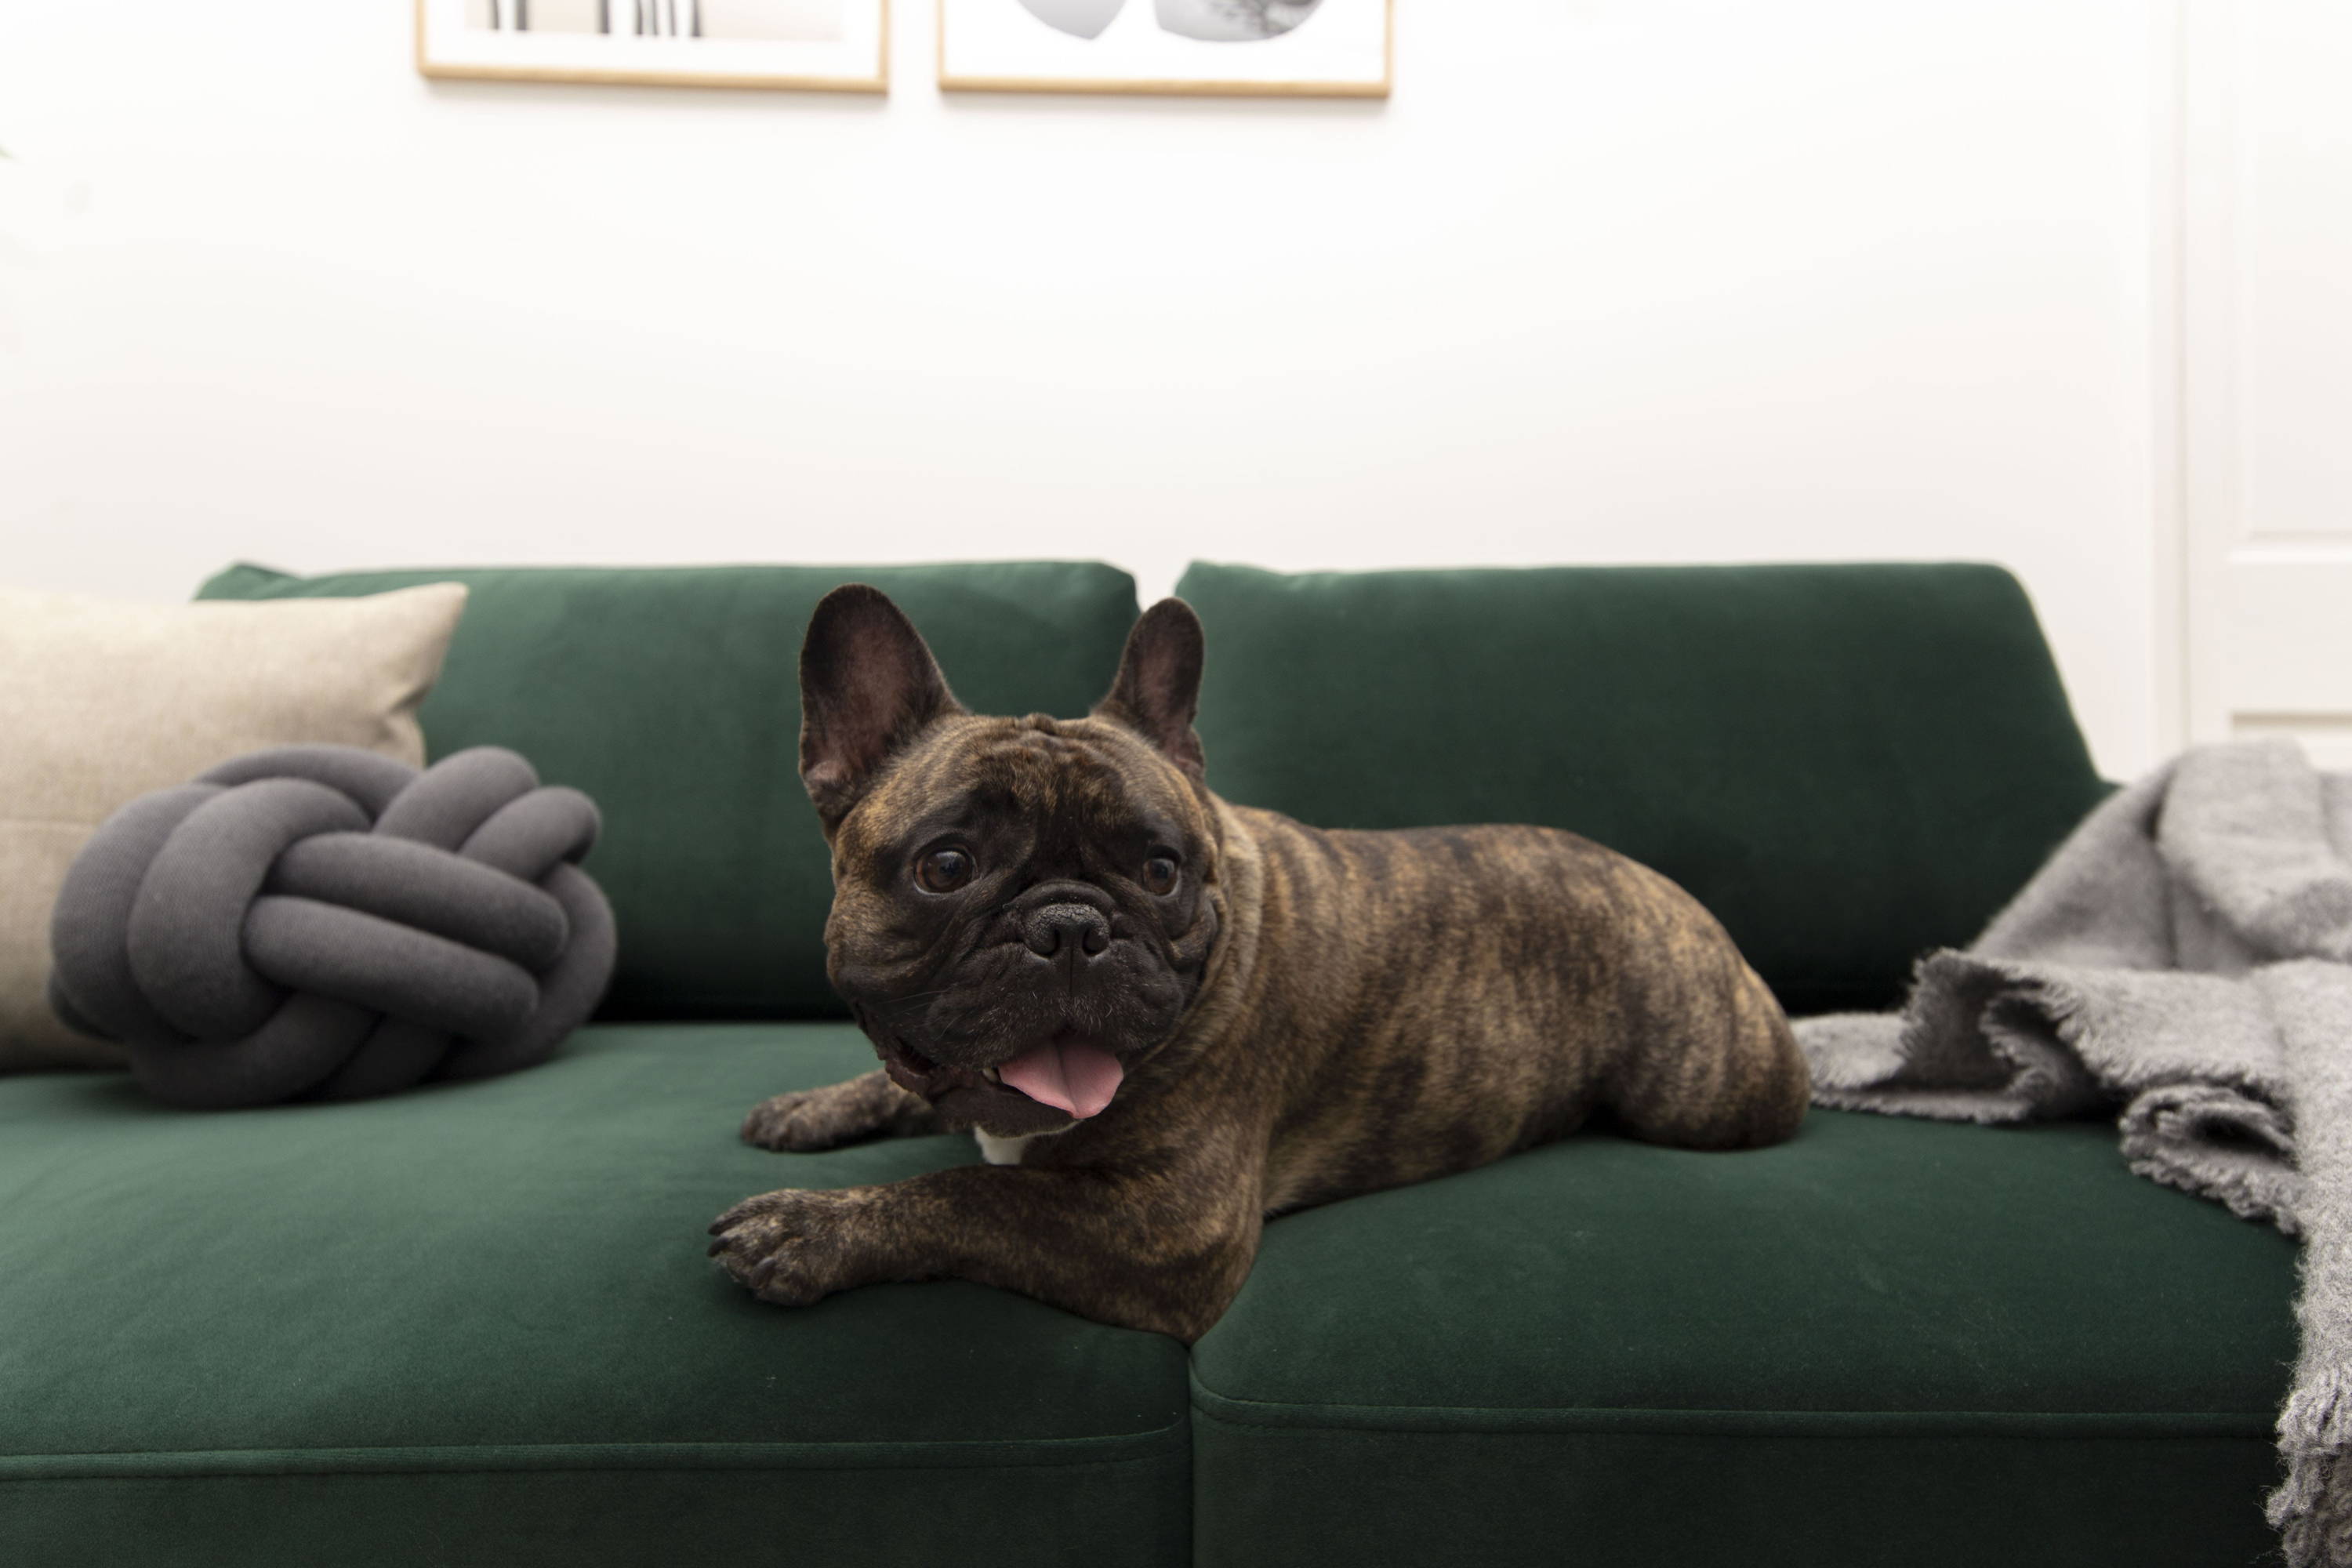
1167	1018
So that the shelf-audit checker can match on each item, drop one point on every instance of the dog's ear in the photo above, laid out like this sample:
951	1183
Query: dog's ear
868	686
1157	689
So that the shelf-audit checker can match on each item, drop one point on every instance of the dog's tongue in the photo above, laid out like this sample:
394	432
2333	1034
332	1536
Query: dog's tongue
1068	1077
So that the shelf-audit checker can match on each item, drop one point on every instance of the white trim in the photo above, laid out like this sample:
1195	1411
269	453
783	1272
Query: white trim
2212	495
2167	120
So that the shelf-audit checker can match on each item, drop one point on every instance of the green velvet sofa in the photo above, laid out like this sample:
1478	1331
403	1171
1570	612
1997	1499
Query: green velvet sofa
474	1323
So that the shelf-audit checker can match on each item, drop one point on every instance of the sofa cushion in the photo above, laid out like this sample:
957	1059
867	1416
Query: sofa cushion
476	1324
672	697
102	703
1886	1341
1848	764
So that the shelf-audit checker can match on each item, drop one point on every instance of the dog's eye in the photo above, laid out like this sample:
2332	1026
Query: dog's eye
1160	875
944	870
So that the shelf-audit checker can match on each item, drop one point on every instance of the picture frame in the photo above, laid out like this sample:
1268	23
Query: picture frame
1264	48
809	46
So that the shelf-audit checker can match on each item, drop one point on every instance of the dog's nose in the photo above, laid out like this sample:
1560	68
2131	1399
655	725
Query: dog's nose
1065	928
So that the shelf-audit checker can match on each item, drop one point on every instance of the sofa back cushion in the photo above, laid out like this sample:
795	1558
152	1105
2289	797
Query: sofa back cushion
672	697
1848	764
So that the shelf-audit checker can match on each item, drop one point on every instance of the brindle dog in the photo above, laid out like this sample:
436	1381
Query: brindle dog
1170	1018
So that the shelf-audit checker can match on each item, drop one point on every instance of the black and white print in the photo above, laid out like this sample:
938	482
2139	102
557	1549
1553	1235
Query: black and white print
809	20
1212	21
840	45
1336	48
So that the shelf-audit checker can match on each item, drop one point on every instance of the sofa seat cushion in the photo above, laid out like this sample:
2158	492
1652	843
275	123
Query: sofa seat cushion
476	1324
1886	1341
1848	764
672	696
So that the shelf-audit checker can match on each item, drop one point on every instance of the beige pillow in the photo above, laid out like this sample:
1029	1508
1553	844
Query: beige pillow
101	701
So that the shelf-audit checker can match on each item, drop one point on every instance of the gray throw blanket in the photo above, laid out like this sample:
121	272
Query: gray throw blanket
2187	954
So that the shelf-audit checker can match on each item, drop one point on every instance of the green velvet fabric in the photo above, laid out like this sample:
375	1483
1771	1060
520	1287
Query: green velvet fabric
1886	1341
476	1324
672	696
1848	764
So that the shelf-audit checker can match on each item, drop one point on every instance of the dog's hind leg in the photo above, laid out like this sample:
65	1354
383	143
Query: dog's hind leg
1731	1078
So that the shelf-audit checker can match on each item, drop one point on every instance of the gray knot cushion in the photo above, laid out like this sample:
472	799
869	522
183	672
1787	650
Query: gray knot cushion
324	921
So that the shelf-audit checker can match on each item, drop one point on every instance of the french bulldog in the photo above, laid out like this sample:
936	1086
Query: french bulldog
1168	1018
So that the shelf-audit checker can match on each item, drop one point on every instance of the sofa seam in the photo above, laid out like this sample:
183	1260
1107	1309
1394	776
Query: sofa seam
368	1472
982	1454
1565	1420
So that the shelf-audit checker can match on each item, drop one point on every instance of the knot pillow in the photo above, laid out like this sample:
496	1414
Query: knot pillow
327	921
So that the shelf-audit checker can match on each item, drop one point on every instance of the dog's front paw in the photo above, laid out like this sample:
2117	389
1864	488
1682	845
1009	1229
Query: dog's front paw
808	1119
804	1121
792	1247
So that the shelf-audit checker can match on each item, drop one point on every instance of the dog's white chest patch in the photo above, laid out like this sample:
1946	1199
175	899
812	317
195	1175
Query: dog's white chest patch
1001	1151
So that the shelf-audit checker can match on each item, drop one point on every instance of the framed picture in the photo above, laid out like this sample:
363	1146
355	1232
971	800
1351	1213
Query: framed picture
841	46
1313	48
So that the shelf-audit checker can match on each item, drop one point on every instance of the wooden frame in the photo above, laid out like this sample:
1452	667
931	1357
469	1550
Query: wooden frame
442	69
1174	88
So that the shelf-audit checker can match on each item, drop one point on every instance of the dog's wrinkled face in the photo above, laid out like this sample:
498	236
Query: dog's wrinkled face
1023	907
1021	892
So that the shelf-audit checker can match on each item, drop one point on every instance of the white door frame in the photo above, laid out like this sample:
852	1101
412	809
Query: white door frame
2193	359
2211	549
2168	369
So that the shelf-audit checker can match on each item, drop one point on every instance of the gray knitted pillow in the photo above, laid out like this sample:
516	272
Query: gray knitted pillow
325	922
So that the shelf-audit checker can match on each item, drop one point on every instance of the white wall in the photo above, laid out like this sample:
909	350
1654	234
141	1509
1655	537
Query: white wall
1607	281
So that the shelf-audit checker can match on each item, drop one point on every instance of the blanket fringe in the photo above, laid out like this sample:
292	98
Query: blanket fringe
2243	1194
2309	1509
